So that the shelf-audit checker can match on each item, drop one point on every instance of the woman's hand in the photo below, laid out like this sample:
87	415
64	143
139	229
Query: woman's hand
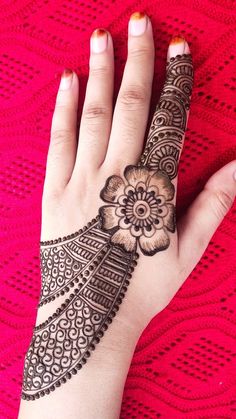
124	190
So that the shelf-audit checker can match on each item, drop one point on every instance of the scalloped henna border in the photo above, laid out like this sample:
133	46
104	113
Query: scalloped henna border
70	236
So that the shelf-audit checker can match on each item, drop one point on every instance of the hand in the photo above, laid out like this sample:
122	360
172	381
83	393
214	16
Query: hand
126	199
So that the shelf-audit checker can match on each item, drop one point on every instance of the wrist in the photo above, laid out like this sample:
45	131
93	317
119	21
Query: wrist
101	380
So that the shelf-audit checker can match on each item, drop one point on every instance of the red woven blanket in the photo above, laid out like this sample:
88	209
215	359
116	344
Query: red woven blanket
184	364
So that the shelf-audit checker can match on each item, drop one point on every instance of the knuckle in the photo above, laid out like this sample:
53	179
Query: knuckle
99	71
118	166
51	196
129	135
95	111
61	137
133	96
222	202
140	53
92	136
64	105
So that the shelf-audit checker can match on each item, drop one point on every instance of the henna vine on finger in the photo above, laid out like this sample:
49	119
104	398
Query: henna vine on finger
165	137
92	268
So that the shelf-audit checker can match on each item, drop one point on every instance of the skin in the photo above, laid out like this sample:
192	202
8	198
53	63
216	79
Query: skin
76	172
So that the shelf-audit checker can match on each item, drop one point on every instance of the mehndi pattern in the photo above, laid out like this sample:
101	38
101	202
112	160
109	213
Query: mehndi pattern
92	268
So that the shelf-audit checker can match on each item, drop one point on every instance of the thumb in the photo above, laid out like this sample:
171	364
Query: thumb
197	226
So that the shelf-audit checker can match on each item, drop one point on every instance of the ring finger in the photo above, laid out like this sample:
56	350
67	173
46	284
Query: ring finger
97	109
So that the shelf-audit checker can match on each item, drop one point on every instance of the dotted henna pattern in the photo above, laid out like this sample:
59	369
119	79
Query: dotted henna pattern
64	260
93	266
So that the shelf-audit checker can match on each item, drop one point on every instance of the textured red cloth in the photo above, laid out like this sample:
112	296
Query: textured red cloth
184	364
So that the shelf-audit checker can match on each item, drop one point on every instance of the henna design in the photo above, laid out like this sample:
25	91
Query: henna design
140	210
62	265
96	263
62	344
165	137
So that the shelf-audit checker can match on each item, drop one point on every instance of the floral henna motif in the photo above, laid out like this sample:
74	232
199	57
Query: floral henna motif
93	266
141	211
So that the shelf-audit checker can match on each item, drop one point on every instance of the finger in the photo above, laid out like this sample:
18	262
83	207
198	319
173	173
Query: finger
167	130
62	147
97	110
196	228
132	105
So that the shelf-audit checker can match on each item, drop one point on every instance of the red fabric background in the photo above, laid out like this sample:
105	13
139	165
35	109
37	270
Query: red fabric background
184	365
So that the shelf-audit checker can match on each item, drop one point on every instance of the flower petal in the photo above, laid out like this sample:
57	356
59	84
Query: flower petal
161	200
151	245
149	231
135	174
163	210
162	181
169	220
141	185
122	200
120	211
123	224
159	223
114	187
124	239
108	217
154	189
129	188
134	232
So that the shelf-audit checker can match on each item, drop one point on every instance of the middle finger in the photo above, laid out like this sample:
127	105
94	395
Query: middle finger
132	105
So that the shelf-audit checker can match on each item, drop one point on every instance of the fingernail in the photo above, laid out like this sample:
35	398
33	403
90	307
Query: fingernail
137	23
177	40
234	175
66	79
99	40
178	46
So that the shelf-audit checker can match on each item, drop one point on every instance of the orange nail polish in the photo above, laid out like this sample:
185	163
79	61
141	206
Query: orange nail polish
66	79
177	40
99	40
137	15
67	72
99	32
138	23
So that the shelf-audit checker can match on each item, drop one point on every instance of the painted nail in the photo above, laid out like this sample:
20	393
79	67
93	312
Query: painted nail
138	23
177	40
99	41
66	79
177	46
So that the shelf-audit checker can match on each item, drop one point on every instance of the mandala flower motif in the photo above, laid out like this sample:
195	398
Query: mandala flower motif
139	210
